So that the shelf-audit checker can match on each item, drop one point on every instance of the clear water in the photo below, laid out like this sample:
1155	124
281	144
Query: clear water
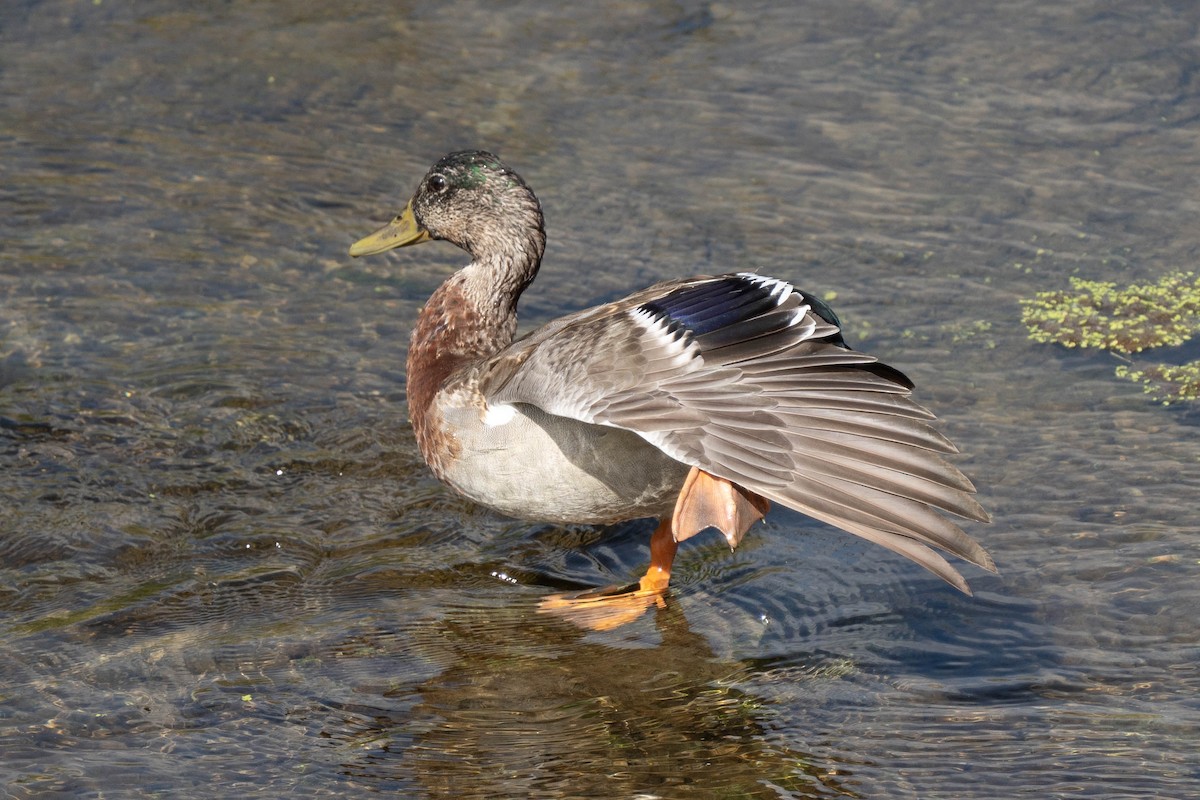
224	568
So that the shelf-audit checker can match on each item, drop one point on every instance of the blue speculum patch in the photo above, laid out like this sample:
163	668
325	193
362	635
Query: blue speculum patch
712	306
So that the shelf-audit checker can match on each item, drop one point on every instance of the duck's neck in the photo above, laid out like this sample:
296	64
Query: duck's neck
471	316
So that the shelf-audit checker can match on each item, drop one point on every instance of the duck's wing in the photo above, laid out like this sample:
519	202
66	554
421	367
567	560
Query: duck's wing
749	379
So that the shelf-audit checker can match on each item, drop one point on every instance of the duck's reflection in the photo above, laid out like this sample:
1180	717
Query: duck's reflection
535	708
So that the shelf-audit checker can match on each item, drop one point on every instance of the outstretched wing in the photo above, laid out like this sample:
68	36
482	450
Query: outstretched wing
749	379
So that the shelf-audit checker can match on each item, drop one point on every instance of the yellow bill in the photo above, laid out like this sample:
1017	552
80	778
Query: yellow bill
400	232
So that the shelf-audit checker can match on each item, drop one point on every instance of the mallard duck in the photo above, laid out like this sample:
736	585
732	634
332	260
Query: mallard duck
697	401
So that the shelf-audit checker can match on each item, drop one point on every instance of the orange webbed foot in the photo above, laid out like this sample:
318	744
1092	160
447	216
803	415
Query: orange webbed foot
605	609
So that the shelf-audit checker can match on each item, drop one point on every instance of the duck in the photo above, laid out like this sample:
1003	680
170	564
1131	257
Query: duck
697	402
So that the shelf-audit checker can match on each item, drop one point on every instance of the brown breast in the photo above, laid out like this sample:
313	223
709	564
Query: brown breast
451	333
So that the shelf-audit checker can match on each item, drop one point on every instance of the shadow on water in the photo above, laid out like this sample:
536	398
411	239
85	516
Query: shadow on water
530	708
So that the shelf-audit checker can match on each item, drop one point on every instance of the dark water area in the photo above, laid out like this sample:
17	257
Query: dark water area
224	569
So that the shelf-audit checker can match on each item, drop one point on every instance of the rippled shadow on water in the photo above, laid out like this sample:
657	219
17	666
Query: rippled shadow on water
531	708
459	696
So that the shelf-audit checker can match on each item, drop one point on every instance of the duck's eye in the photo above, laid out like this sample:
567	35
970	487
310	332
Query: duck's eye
437	184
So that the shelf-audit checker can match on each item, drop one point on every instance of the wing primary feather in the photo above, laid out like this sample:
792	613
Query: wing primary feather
749	379
882	427
888	515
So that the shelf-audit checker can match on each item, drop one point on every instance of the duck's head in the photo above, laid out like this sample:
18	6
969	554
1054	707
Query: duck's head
473	200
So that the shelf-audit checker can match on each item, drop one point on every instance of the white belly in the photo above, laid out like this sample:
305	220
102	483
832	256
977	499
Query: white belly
528	464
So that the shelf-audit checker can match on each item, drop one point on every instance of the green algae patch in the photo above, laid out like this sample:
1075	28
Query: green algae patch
1128	320
1166	382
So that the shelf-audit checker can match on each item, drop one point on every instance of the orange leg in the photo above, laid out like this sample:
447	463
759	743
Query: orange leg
705	501
662	554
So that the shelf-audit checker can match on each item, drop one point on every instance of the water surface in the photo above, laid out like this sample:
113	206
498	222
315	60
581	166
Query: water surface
224	568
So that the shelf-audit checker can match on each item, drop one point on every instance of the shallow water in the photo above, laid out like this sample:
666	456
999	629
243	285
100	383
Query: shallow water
224	568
